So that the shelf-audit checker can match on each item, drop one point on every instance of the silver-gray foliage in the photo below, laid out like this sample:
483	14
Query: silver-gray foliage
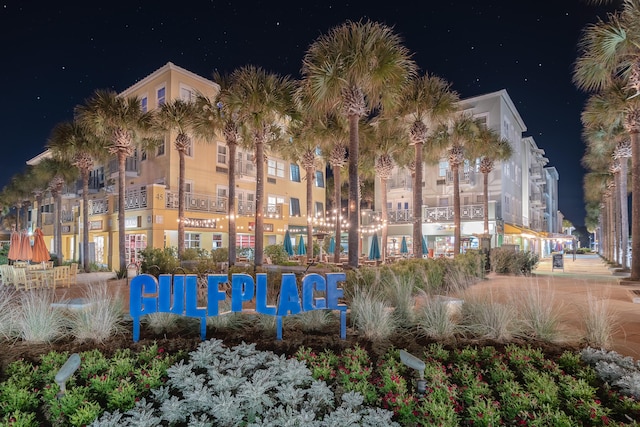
242	386
619	371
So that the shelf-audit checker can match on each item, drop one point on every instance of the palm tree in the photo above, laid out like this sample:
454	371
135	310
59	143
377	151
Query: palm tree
426	102
355	69
263	101
57	172
180	117
121	125
213	116
38	189
609	54
70	142
489	147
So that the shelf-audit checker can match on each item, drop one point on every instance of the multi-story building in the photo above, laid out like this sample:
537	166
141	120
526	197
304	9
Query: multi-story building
521	191
151	199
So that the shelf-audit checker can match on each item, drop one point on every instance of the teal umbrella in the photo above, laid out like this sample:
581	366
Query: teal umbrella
425	251
332	245
302	249
374	251
288	247
404	249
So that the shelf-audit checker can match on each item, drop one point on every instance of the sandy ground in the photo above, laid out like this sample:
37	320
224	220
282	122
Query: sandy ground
584	279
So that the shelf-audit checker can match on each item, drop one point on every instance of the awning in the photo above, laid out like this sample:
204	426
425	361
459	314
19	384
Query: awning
510	229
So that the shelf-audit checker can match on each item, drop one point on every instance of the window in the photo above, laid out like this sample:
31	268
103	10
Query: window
189	150
222	154
161	95
295	172
192	240
160	151
275	168
443	166
319	179
507	203
319	211
294	207
187	94
217	241
188	186
443	201
144	104
143	154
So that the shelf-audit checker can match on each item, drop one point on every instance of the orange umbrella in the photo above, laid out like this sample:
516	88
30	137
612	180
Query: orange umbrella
40	251
14	246
25	253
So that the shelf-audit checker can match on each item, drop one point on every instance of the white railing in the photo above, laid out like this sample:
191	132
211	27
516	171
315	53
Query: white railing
196	202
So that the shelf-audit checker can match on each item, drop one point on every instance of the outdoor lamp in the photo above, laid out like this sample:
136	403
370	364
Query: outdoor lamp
413	362
69	368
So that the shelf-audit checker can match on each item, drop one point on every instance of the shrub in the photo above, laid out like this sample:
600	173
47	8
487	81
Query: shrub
277	254
220	255
507	261
158	261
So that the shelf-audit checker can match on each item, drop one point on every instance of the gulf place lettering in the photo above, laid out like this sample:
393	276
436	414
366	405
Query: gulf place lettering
178	294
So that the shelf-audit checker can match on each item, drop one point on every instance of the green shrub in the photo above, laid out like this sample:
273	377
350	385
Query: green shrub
158	261
277	254
220	255
507	261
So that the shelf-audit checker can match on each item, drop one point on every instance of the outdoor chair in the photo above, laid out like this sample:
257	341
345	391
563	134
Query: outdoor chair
61	276
20	279
73	273
6	273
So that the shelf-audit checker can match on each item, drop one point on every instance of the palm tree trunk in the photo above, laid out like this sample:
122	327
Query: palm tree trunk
456	210
231	203
385	216
85	220
354	208
38	212
259	217
310	173
635	206
181	204
58	236
121	223
485	202
417	202
617	218
337	197
624	214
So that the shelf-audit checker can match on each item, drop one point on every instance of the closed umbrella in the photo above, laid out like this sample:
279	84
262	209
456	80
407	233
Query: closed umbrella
26	253
332	245
288	247
40	251
424	247
302	249
374	251
404	249
14	246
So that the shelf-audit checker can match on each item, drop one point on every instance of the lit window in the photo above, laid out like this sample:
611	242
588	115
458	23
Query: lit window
443	166
319	211
295	172
144	104
192	240
187	94
161	94
294	207
275	168
160	151
319	179
222	154
217	241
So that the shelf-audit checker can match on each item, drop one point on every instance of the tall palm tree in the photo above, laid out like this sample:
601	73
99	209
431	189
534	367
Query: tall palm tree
489	147
69	141
180	117
355	69
217	116
38	190
263	101
427	102
610	52
57	172
121	125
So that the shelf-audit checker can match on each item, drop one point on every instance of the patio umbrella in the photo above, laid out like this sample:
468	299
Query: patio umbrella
14	246
302	249
374	251
332	245
40	251
288	247
26	253
404	249
424	247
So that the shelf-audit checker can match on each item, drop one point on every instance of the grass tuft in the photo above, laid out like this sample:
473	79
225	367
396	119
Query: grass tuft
102	318
600	322
371	316
37	321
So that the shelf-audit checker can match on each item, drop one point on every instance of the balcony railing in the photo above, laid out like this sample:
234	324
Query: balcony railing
245	168
445	213
197	202
246	208
134	198
132	167
400	183
98	206
400	216
466	177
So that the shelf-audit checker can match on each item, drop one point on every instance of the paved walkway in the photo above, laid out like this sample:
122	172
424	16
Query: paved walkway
570	287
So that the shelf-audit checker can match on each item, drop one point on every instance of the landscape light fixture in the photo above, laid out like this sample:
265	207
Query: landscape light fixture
69	368
413	362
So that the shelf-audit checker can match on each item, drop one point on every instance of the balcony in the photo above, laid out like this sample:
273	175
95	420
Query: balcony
400	183
197	202
248	208
466	177
98	206
445	213
245	169
132	167
134	198
399	216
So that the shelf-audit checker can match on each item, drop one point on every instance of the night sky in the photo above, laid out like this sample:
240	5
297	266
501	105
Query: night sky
55	54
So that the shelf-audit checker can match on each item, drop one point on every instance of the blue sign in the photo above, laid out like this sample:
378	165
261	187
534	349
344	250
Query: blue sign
178	294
